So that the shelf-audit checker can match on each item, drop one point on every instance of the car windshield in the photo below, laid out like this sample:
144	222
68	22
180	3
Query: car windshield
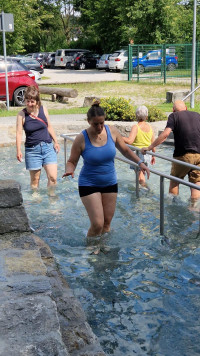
12	67
29	61
116	54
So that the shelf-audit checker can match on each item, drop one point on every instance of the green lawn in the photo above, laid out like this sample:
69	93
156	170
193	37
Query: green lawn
142	93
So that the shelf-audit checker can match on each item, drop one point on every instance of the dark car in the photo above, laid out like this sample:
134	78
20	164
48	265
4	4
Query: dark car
49	60
85	60
40	56
29	63
19	78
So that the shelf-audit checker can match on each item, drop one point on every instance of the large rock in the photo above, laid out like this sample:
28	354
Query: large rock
10	194
13	219
89	100
31	325
172	96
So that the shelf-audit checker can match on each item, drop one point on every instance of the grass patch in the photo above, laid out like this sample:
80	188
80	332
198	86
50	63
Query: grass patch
5	113
142	93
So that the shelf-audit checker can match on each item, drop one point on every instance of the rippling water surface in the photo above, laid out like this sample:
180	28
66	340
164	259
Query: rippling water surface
141	292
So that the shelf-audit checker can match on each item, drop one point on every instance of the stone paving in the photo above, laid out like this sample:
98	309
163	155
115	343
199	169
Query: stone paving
66	124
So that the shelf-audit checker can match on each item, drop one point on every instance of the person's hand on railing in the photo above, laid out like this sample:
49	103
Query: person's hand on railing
144	150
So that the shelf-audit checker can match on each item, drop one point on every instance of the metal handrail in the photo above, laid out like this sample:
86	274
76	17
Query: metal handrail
190	93
134	148
162	175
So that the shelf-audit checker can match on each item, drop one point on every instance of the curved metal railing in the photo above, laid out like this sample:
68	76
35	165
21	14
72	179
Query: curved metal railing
154	171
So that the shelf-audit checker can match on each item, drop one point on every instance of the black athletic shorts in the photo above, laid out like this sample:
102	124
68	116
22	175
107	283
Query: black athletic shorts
87	190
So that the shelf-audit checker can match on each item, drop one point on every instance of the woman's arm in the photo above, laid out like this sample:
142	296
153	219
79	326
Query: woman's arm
126	151
19	130
131	138
77	148
51	131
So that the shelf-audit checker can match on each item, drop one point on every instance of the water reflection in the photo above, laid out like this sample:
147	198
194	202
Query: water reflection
141	291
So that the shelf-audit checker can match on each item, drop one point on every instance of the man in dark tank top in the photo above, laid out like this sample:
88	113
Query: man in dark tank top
186	129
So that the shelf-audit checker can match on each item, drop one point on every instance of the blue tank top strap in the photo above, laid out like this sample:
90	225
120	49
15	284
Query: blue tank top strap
108	132
86	137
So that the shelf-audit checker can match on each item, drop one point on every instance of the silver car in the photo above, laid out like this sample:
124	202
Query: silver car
103	62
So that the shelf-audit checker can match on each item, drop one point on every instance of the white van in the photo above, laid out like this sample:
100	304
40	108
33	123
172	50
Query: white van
63	56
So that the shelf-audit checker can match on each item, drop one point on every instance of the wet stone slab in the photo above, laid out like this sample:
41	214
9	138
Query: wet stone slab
31	326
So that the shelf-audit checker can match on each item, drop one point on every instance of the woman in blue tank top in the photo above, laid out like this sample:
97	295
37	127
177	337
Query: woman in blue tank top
39	149
97	180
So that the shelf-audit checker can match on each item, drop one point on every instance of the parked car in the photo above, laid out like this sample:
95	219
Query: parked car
18	79
50	60
117	59
29	63
64	56
86	60
37	55
103	62
153	60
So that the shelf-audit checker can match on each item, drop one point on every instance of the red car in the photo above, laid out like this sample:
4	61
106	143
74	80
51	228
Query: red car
19	77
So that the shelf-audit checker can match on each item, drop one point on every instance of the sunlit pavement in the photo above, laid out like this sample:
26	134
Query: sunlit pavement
61	76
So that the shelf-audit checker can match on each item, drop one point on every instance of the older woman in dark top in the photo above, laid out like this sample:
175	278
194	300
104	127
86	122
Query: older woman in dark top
39	149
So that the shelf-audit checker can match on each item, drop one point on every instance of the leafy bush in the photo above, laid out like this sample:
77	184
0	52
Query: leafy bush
155	114
120	109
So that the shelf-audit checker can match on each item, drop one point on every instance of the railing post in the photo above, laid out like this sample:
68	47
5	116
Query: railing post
130	63
161	205
65	152
137	182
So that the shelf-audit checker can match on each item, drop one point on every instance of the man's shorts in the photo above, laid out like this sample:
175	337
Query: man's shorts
40	155
180	171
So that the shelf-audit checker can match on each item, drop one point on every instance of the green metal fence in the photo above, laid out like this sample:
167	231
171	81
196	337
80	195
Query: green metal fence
157	63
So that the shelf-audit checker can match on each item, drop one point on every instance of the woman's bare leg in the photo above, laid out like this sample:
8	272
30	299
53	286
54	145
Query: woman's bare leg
35	178
94	208
51	172
141	178
109	204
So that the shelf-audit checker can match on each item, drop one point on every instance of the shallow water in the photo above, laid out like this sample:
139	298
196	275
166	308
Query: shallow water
141	292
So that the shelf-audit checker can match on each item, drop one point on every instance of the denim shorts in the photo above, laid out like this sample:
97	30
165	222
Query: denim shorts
40	155
146	158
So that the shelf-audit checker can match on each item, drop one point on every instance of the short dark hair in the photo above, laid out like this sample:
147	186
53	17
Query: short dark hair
33	93
95	110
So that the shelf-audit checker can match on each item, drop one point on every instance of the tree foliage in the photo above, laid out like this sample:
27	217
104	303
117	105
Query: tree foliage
101	25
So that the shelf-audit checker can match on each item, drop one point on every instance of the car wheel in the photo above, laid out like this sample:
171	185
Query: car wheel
171	66
19	96
82	66
141	69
